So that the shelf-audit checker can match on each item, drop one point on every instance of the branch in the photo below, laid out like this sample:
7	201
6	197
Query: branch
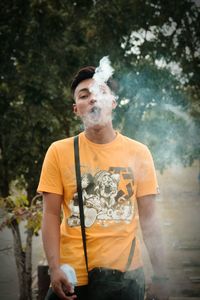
35	198
5	249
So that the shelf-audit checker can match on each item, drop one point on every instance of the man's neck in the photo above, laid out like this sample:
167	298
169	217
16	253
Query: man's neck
100	134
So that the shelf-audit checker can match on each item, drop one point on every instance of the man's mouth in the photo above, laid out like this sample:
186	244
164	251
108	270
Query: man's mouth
95	111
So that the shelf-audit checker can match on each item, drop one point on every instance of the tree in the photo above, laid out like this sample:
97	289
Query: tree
154	46
164	55
33	101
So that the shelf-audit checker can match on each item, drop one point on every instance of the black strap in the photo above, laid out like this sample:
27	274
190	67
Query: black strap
80	198
130	255
80	203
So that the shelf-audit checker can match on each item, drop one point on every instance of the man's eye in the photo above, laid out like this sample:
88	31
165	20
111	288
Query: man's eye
83	96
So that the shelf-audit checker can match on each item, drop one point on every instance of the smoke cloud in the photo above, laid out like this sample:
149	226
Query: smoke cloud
100	113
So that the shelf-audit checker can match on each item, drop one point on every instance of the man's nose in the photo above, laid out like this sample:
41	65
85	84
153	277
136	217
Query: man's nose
93	98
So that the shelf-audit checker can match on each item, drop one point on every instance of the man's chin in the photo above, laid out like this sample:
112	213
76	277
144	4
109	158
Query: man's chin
91	123
94	125
96	121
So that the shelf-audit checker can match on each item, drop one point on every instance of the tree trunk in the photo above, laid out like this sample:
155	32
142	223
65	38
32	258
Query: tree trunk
4	184
19	257
28	263
23	261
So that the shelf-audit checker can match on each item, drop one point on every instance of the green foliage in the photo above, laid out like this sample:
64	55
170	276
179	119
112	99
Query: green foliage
17	207
34	109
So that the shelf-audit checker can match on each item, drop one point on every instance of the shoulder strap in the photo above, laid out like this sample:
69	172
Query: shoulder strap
130	254
80	198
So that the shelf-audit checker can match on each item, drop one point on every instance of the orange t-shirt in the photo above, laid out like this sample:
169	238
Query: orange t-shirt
113	175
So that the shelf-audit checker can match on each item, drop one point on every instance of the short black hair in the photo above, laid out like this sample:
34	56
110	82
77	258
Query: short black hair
82	74
86	73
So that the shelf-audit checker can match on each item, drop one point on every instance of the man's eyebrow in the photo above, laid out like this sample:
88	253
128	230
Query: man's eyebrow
83	90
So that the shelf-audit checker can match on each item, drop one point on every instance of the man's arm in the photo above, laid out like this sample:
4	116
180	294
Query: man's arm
152	236
51	242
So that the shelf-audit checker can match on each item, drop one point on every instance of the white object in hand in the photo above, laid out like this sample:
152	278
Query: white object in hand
70	273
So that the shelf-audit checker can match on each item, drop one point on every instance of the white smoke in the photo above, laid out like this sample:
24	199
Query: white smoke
104	71
177	110
100	114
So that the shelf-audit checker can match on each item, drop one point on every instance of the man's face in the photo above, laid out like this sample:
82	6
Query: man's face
94	103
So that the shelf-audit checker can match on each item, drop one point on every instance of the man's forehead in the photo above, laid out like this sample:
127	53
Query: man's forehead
87	84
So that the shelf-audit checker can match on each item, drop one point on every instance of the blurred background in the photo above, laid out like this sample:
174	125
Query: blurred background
154	47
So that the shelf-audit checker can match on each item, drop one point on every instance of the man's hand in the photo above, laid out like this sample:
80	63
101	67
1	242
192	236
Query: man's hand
158	291
61	286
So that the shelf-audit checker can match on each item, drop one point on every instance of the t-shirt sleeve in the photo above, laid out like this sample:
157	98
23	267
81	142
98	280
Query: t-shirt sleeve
147	183
50	178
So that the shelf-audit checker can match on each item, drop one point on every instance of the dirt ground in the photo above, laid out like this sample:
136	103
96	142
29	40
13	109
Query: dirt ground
179	211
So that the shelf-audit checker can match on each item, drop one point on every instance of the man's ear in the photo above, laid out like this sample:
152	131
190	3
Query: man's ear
114	104
75	109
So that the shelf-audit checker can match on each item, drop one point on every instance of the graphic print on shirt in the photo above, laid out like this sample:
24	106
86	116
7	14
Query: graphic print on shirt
106	197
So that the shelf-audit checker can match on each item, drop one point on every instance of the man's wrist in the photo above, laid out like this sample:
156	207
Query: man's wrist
53	269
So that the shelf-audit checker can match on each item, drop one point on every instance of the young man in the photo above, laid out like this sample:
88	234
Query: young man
119	187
